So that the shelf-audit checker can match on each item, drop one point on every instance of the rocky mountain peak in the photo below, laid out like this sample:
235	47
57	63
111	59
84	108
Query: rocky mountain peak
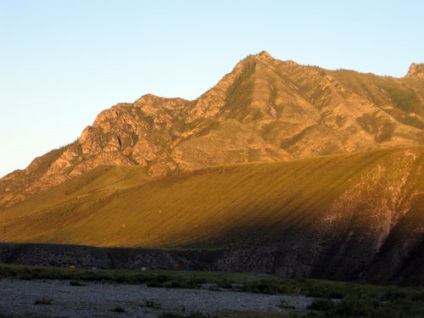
264	55
416	71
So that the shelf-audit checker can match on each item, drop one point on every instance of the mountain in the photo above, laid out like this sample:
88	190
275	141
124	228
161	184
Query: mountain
265	110
351	217
279	168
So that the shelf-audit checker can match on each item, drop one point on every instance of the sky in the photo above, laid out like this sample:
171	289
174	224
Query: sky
63	62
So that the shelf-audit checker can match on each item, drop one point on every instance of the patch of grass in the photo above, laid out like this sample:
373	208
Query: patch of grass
43	301
404	99
214	288
76	283
190	315
25	315
254	314
118	309
25	277
151	304
370	302
225	284
322	304
285	305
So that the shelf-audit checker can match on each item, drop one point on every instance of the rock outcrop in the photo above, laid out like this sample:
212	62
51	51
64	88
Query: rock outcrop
416	71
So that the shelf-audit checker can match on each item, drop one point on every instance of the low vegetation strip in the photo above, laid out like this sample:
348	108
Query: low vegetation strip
152	278
332	299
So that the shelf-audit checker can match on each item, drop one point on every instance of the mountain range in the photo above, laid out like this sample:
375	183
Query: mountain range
318	172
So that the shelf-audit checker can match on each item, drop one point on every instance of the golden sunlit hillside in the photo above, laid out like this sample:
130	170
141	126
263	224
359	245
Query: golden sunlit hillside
347	210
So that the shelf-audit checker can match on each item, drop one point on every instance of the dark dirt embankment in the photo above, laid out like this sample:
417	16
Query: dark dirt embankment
240	260
253	259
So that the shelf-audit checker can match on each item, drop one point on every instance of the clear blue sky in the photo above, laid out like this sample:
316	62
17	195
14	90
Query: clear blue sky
62	62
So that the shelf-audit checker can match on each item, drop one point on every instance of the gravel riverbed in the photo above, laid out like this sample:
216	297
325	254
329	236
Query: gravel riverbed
59	298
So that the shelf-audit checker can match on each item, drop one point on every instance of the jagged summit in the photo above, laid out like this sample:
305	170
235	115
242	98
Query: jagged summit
416	71
264	54
261	57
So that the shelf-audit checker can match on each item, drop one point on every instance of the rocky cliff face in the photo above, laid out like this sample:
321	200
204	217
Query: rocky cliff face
416	71
264	110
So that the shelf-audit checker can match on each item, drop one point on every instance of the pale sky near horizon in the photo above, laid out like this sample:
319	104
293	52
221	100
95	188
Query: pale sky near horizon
62	62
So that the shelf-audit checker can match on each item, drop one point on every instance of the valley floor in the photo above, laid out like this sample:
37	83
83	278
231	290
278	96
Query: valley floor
59	298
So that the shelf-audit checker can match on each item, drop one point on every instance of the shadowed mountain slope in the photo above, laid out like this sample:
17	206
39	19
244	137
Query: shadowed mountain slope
264	110
352	216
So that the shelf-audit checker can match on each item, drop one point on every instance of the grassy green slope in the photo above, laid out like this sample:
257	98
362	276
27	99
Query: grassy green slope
213	207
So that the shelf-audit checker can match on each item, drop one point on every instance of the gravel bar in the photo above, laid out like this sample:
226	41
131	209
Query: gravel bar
59	298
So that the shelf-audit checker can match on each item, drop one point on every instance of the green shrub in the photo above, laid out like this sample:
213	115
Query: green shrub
76	283
43	301
118	309
322	304
404	99
178	315
285	305
225	284
151	304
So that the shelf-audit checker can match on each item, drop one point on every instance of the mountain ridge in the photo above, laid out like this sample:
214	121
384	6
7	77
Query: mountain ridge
263	110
